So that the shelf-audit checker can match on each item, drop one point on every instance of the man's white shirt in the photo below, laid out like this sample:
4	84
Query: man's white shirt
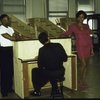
4	42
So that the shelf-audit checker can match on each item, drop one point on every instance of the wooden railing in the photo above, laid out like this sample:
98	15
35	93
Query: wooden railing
44	24
22	28
37	25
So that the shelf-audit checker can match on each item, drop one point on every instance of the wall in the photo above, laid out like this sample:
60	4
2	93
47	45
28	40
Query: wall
97	6
35	8
72	8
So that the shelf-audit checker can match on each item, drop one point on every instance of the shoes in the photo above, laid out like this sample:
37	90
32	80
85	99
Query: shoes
35	93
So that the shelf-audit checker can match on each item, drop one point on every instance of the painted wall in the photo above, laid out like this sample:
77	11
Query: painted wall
97	6
72	8
35	8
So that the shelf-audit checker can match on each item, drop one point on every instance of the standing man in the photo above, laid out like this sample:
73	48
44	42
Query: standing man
6	54
50	64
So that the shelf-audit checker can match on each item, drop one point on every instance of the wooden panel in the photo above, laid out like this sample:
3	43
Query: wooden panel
25	79
18	75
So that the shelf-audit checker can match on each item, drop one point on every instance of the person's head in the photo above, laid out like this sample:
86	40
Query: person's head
5	20
80	16
43	37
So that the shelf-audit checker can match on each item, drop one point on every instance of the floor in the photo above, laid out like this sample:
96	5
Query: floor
93	81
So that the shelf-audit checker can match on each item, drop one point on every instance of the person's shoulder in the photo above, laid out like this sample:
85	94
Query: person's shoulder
57	44
52	44
2	28
10	27
40	49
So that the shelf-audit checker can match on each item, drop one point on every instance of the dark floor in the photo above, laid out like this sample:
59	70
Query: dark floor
93	81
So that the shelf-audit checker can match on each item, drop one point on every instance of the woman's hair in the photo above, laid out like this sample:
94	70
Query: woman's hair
81	12
43	37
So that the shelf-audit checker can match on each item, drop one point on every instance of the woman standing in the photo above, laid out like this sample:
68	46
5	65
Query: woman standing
83	44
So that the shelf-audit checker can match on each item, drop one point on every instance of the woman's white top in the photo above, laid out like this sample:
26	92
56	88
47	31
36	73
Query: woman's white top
4	42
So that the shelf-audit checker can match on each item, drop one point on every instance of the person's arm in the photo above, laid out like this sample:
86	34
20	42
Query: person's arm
68	32
18	36
25	37
15	36
7	36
